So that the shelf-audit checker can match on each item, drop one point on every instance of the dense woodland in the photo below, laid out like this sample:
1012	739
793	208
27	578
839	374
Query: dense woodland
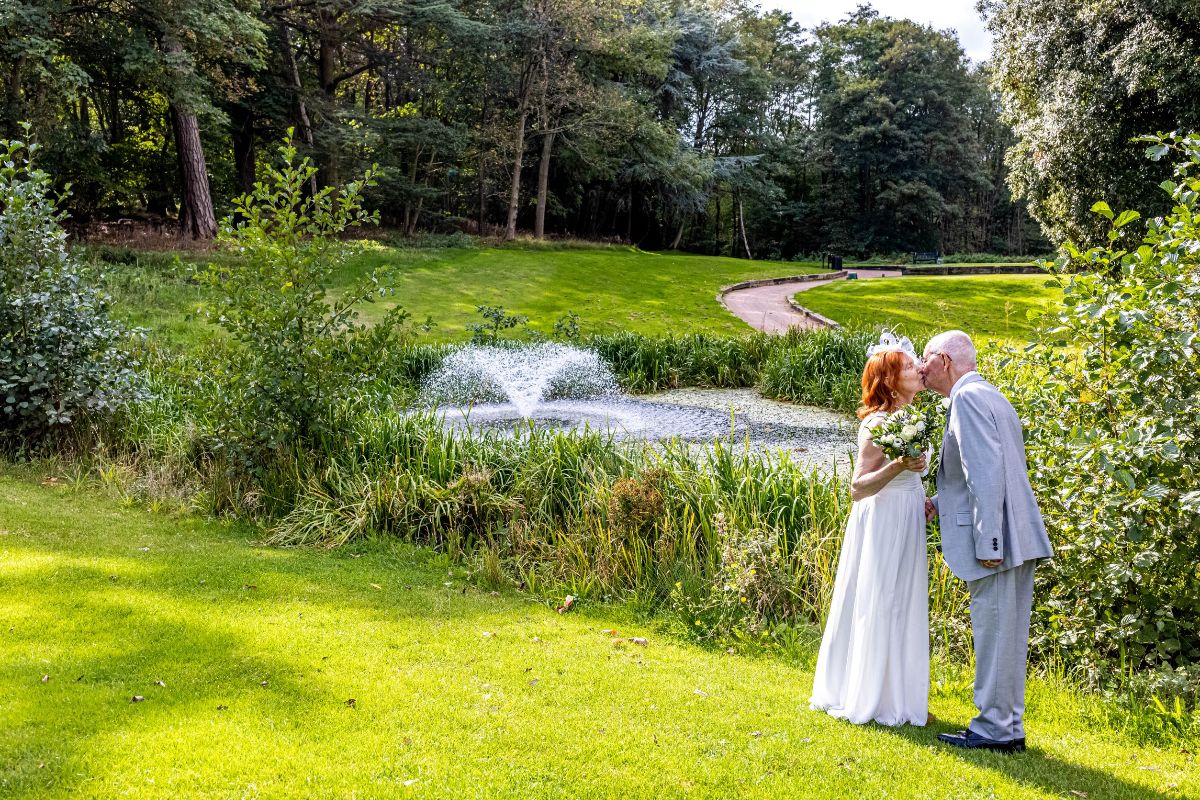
708	126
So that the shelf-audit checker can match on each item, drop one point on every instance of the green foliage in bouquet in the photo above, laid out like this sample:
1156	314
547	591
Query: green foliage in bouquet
910	431
299	347
1114	442
61	356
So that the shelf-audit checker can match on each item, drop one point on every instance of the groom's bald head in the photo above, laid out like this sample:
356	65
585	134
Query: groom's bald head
955	344
948	356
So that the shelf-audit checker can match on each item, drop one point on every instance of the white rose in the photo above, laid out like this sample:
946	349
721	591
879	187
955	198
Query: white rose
946	403
897	441
920	426
909	432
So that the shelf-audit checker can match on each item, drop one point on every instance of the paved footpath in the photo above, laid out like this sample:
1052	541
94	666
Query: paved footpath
766	308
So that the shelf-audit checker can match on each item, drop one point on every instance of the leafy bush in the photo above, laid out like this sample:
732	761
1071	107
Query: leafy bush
495	320
61	356
654	363
299	349
1115	440
822	368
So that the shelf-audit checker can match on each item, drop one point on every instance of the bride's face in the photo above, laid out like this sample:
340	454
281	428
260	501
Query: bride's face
910	380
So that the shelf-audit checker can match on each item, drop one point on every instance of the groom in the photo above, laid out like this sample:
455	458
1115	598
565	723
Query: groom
992	535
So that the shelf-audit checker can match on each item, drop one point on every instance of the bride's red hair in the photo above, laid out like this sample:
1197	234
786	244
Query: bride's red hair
879	381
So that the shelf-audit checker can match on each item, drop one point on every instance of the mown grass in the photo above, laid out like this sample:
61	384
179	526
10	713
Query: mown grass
986	306
247	658
611	288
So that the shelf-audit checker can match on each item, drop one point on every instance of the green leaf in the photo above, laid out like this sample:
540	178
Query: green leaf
1125	218
1125	478
1100	207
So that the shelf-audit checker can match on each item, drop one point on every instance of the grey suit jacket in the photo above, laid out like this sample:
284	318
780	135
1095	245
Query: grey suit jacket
984	500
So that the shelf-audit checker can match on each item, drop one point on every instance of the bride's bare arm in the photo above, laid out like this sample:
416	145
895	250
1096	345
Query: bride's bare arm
873	470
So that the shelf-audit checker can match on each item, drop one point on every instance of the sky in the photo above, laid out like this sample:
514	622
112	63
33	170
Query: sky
941	14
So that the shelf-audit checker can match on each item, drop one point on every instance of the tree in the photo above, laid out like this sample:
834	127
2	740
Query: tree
1078	82
896	144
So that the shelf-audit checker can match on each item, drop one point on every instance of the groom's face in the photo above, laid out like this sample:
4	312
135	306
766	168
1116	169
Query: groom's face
935	372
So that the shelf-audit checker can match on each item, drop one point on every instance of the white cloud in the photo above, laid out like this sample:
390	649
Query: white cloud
940	14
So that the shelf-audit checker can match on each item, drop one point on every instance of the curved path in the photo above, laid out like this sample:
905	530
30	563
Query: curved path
768	308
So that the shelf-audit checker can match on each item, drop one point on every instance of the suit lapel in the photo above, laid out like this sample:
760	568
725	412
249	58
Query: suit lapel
969	378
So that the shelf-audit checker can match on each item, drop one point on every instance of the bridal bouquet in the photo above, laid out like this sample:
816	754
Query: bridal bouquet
909	431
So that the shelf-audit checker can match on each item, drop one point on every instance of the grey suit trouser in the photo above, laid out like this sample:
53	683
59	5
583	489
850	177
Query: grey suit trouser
1001	606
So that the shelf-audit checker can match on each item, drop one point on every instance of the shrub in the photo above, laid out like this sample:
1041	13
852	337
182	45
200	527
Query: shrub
297	349
822	368
61	355
1115	441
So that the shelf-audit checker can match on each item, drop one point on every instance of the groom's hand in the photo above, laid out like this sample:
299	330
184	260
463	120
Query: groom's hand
990	563
931	511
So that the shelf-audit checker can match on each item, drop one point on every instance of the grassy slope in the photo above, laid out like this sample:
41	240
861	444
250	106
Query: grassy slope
989	306
611	288
464	693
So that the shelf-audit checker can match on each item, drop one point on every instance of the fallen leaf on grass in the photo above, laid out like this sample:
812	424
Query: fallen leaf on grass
248	586
488	634
352	703
533	682
756	734
160	683
376	586
1078	793
45	679
806	740
701	693
609	631
222	708
137	698
640	641
567	603
263	684
411	781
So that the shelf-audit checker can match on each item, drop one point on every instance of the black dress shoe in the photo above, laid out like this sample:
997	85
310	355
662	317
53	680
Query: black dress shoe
970	740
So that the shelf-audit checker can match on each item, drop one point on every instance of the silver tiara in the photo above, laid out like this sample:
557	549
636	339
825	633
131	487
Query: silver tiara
890	343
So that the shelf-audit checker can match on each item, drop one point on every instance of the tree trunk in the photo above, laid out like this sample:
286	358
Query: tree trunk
514	191
629	215
742	228
305	122
196	216
678	234
539	224
245	151
13	90
327	166
717	231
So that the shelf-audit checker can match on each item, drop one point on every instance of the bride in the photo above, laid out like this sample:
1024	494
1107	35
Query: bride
874	658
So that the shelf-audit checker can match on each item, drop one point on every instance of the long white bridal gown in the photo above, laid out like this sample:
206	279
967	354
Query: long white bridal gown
874	659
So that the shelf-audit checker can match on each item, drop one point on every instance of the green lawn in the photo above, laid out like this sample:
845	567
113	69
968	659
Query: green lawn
986	306
610	288
379	672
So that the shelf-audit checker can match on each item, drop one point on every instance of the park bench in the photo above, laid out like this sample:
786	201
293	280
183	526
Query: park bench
927	258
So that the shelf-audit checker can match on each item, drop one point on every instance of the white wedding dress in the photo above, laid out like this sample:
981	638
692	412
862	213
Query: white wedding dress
874	658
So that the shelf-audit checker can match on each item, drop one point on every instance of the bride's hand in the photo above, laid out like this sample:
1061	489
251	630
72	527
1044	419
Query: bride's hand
914	463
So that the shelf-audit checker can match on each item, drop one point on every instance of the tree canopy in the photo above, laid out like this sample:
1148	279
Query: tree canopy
708	125
1079	81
